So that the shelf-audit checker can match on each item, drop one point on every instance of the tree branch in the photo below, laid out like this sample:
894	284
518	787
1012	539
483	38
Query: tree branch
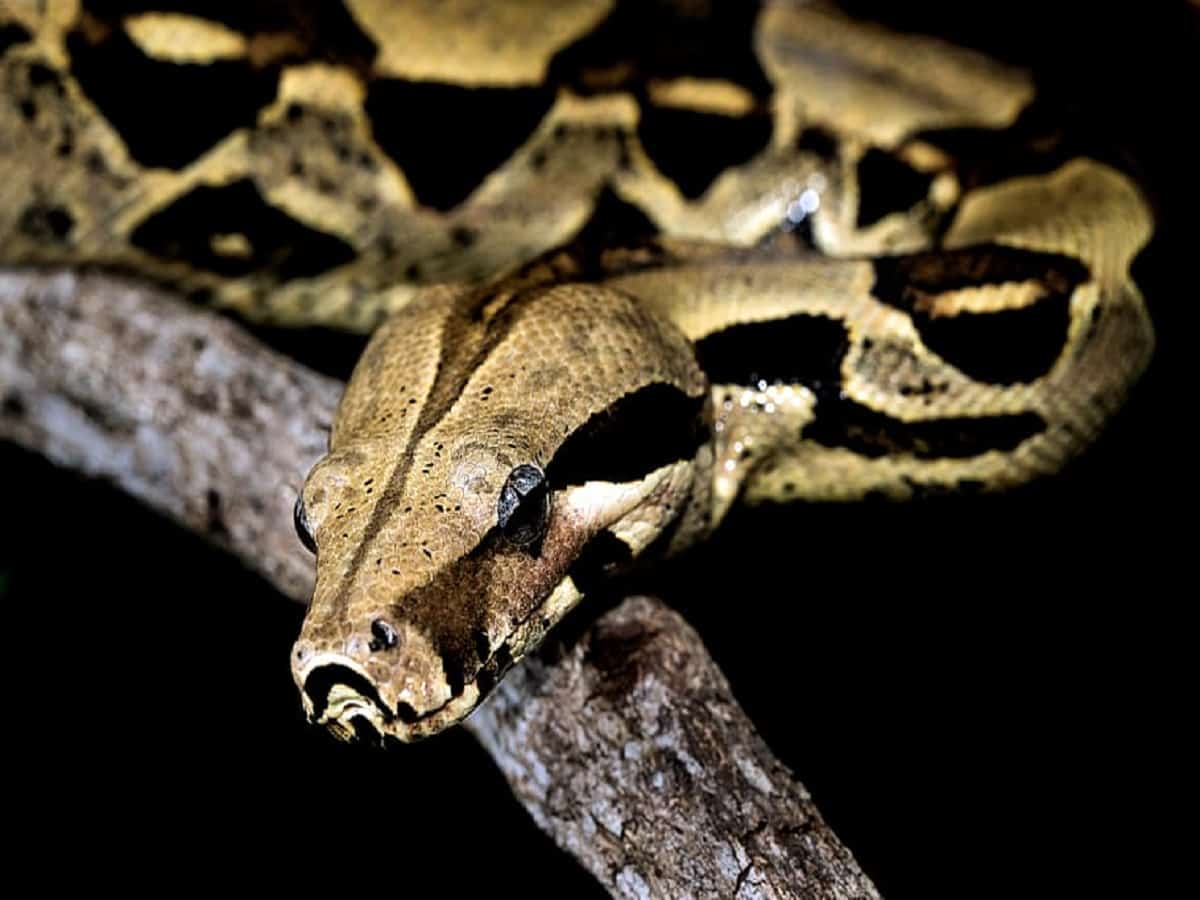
626	746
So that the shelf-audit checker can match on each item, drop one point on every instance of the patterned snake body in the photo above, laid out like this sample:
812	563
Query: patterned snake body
651	285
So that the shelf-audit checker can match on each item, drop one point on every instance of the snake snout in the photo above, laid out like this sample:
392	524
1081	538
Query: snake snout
346	702
385	672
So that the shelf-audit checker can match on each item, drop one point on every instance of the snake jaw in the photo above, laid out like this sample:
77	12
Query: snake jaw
345	678
352	710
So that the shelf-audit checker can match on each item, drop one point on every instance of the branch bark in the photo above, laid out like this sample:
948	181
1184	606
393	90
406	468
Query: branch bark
626	746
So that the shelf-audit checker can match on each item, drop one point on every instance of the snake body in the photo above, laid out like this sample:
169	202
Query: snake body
665	282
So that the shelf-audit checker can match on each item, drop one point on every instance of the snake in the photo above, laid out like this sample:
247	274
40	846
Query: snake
624	267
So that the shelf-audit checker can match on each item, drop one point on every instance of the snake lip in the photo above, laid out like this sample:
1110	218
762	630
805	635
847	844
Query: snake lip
338	694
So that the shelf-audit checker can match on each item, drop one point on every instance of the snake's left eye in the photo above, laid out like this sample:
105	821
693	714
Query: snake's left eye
524	508
303	528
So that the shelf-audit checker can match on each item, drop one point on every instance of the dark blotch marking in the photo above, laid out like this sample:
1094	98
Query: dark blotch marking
613	223
693	148
655	425
423	125
43	222
12	34
1003	347
887	185
1006	347
279	244
845	423
802	349
818	142
323	30
809	350
600	559
123	83
643	39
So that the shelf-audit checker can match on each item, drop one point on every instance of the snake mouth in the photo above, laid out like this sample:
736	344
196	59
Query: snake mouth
349	705
343	699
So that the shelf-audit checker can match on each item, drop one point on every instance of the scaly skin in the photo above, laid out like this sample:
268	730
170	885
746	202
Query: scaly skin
602	333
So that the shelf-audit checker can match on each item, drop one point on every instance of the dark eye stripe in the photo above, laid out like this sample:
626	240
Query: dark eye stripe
602	557
643	431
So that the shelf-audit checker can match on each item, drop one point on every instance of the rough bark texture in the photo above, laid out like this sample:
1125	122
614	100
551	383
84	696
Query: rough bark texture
632	752
627	748
179	407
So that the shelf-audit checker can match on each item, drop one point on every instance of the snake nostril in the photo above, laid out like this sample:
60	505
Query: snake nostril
383	636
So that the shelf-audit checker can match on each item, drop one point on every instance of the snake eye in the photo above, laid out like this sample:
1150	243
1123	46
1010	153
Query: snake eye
524	508
383	636
303	529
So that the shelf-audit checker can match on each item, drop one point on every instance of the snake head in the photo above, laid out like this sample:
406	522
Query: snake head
494	456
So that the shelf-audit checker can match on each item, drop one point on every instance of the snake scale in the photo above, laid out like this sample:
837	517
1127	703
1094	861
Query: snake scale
625	265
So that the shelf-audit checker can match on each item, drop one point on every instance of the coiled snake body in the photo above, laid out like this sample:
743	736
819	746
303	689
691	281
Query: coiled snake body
613	291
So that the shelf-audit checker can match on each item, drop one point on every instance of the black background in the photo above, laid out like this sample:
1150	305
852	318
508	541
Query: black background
986	696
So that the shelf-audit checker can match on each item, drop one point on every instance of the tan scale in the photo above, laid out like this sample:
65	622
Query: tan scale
536	410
